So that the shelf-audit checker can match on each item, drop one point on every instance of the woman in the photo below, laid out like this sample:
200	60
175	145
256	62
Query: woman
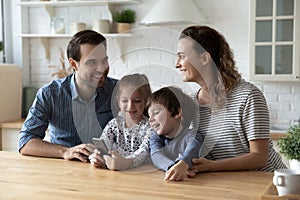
233	114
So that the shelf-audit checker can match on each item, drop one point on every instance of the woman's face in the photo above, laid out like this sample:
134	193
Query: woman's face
189	62
132	104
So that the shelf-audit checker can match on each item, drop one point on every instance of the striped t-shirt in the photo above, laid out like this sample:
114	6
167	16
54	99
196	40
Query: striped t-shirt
227	131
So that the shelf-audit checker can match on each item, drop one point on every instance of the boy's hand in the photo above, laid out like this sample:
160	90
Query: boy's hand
177	172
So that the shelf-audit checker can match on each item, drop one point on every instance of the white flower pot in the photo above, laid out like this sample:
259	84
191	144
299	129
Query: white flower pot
295	164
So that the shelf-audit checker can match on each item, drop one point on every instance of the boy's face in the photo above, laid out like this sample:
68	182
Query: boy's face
162	121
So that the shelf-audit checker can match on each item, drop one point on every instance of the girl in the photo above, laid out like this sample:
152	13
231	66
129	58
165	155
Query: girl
128	133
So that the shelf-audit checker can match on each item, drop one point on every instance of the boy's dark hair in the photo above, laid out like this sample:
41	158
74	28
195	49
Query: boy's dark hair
174	98
83	37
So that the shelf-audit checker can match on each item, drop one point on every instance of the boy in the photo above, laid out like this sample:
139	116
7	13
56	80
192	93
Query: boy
173	147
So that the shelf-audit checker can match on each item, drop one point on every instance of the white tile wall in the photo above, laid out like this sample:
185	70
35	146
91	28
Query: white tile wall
152	51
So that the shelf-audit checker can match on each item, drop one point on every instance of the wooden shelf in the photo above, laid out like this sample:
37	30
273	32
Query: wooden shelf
111	35
46	37
76	3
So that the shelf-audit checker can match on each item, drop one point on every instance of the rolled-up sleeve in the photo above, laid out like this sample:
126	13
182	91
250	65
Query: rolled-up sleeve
37	120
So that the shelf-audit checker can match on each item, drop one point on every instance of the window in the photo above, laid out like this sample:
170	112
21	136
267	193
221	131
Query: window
274	52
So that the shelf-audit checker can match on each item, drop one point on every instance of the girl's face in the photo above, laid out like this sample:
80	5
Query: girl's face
132	104
161	120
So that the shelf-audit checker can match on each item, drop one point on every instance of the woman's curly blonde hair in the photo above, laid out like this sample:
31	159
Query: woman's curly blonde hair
211	41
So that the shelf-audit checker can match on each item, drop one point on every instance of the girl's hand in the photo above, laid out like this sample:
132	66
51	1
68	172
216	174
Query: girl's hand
97	160
117	161
177	172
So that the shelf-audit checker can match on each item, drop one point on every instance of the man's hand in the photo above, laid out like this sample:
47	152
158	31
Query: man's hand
177	172
80	152
117	162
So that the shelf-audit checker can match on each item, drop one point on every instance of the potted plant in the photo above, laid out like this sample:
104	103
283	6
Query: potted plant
1	51
289	146
124	20
1	46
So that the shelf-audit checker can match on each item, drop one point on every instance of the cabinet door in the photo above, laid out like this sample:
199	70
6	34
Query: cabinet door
274	52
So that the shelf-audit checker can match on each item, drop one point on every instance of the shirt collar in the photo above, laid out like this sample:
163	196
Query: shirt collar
75	94
73	88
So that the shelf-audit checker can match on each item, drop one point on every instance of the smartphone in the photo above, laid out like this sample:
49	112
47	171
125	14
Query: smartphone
101	146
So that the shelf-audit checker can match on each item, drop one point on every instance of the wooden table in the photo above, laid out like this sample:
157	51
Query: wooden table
25	177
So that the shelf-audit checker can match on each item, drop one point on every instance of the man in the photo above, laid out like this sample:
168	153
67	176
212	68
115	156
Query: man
74	109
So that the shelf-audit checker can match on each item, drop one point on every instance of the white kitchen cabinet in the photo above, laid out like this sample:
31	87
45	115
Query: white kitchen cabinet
9	135
9	139
35	27
274	40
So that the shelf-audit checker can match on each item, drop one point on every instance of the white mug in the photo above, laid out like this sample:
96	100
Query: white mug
287	181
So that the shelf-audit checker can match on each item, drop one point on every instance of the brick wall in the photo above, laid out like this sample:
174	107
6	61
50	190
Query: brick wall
152	51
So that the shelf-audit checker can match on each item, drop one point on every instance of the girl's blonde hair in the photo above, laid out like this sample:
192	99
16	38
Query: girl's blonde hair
137	82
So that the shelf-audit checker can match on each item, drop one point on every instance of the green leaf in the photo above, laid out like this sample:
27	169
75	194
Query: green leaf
125	16
289	145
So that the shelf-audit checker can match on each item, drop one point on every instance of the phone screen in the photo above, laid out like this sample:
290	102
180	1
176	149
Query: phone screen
101	146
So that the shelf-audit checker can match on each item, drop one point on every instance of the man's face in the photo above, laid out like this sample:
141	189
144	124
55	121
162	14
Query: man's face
93	67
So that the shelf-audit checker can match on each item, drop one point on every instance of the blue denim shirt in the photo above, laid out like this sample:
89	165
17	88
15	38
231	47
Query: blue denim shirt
52	108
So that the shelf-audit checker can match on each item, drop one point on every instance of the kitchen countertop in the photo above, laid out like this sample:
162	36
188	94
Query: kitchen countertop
17	124
277	134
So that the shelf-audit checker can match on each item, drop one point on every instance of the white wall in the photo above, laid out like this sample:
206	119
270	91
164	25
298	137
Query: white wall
152	51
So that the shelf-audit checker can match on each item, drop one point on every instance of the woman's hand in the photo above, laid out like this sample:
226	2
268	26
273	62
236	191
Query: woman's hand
200	165
256	158
97	160
117	161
